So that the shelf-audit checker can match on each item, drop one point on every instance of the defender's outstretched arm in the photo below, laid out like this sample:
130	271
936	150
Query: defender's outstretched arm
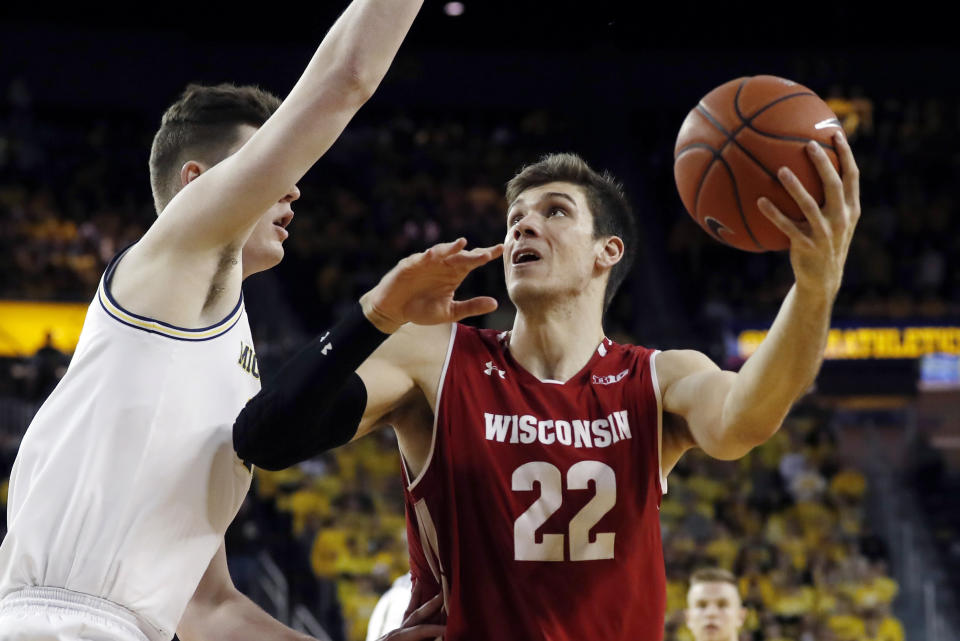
198	236
221	206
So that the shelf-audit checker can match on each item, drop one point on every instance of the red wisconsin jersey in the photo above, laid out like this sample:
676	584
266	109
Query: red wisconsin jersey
537	513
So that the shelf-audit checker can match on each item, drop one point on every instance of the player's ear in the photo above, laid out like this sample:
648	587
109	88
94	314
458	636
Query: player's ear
610	253
189	172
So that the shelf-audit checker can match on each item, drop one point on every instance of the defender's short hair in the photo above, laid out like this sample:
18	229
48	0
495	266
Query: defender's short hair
203	124
612	215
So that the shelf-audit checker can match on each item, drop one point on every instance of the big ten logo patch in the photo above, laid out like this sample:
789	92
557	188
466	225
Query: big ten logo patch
248	360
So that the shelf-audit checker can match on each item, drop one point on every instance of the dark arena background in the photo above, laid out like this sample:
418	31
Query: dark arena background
844	527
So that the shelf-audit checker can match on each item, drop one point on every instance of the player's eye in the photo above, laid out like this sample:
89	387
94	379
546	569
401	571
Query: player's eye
514	220
556	211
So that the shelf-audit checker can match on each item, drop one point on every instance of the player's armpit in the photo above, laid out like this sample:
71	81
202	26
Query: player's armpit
695	391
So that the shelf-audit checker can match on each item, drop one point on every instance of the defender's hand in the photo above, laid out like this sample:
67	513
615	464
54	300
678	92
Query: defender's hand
818	248
420	288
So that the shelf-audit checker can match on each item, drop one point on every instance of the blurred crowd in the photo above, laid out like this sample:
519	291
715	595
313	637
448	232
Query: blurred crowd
789	521
73	193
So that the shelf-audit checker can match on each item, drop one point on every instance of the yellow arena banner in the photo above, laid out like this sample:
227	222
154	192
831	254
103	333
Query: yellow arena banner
848	343
24	326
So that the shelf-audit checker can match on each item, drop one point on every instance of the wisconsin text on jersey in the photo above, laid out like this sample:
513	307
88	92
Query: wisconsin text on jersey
600	432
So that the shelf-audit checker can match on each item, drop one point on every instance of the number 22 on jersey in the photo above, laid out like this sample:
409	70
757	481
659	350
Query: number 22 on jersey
525	546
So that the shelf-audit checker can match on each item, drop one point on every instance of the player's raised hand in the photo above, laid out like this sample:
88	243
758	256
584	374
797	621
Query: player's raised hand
420	288
414	628
818	249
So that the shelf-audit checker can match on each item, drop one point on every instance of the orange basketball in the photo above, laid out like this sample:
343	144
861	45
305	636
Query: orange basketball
731	146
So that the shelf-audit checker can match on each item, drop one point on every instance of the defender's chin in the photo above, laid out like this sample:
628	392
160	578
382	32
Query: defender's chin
263	258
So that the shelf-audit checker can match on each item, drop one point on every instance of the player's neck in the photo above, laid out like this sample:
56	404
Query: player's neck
556	345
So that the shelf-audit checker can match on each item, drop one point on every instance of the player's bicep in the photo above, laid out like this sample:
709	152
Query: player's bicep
695	392
406	366
387	385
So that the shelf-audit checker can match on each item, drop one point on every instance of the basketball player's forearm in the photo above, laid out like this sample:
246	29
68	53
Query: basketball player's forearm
364	41
346	70
782	368
238	618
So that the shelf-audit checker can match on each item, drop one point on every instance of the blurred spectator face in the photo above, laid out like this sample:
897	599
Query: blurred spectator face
550	250
714	611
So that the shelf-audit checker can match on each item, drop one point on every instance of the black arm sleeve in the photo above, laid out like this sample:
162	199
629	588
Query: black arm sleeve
314	403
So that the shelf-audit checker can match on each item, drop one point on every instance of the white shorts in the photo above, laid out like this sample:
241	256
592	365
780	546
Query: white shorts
55	614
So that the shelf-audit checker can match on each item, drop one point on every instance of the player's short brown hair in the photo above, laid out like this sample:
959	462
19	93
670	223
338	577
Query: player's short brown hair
612	215
713	575
203	124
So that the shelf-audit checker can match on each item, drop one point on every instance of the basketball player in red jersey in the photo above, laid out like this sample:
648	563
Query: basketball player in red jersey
535	459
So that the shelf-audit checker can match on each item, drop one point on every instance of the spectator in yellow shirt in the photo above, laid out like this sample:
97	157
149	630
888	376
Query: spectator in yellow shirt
881	625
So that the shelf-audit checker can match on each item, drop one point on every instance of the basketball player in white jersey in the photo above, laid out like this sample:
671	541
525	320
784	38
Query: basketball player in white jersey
561	254
126	480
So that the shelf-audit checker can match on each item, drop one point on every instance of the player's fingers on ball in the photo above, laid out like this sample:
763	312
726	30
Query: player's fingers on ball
777	217
808	206
850	172
832	185
797	191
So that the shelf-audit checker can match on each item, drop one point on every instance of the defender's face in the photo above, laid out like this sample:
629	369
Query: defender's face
264	247
714	611
549	248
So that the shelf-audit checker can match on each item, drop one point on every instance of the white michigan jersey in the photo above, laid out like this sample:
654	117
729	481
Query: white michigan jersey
126	479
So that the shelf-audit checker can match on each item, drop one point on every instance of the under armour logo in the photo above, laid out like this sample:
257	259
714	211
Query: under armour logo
491	368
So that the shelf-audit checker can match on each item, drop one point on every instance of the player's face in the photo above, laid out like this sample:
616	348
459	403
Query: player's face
714	611
264	247
550	249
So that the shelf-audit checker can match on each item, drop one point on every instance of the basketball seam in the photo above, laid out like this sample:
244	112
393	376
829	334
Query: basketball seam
748	123
736	193
748	119
733	180
717	156
703	176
